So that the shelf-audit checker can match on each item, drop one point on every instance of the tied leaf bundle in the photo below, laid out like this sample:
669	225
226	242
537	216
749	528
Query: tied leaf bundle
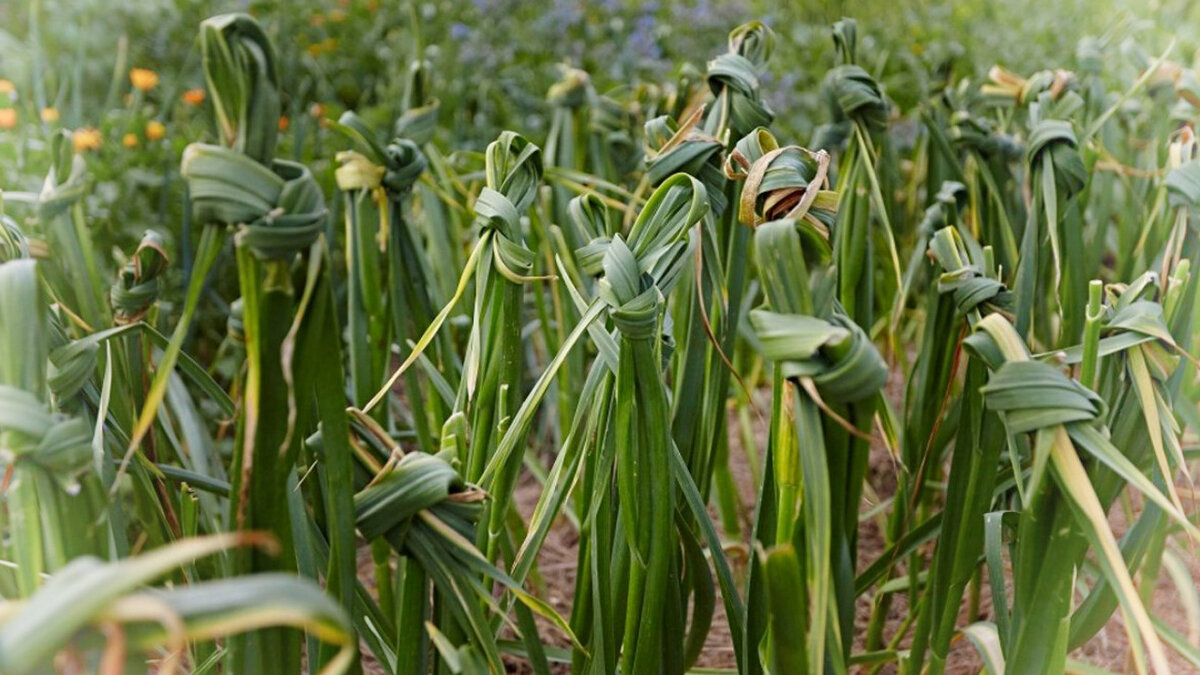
817	449
860	113
390	288
780	183
45	455
1057	175
733	78
140	280
279	215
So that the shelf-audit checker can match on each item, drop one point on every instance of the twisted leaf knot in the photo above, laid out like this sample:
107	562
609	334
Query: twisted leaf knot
394	168
963	278
733	79
395	171
405	163
1048	134
513	170
419	482
781	182
12	240
1007	88
850	92
1138	320
590	218
1034	395
657	243
672	148
633	299
978	135
140	281
836	354
71	367
281	209
753	41
60	445
1053	141
853	94
571	91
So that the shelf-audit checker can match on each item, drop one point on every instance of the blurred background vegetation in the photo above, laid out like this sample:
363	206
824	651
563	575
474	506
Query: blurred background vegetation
66	64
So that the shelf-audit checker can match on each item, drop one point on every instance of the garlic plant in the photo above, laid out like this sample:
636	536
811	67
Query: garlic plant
847	399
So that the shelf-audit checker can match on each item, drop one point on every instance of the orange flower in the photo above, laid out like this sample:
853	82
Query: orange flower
194	96
155	130
8	118
7	87
329	44
49	115
316	20
130	140
85	139
317	110
283	123
337	15
143	79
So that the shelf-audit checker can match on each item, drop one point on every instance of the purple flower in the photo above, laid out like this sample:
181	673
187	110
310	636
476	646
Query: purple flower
643	40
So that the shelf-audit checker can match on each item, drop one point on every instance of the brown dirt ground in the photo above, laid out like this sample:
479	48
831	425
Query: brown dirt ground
555	578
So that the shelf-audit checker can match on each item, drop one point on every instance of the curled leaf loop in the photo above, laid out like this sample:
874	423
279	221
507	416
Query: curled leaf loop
140	280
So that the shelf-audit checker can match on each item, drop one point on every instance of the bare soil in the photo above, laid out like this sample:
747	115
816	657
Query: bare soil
555	578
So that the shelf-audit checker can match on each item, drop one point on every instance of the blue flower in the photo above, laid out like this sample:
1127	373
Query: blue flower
643	40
